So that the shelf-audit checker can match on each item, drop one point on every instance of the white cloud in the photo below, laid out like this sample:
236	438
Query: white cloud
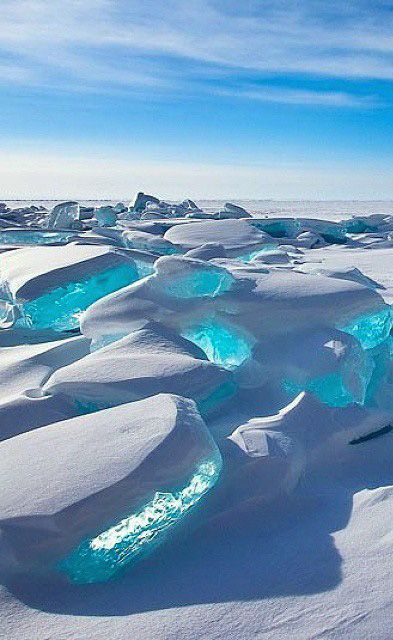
300	96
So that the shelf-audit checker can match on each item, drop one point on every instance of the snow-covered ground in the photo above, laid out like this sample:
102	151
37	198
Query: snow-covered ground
196	420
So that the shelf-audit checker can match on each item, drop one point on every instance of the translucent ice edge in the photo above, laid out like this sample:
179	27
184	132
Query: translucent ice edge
222	345
330	390
158	248
144	268
61	308
98	559
103	341
35	237
373	333
200	284
371	330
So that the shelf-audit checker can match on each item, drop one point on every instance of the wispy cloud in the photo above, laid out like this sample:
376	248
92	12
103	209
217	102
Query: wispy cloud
172	44
300	96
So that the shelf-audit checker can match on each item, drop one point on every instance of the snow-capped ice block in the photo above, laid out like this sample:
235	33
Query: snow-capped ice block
51	286
325	361
34	237
262	303
148	361
277	227
61	308
331	232
232	234
231	211
64	216
143	241
105	216
309	301
104	489
186	278
371	223
224	345
99	558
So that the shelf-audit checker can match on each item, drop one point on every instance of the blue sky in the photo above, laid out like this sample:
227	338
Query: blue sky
214	98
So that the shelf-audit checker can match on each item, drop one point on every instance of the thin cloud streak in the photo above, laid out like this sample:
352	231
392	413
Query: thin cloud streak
298	96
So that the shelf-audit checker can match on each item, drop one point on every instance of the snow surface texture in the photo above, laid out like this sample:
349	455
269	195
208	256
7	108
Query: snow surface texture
196	423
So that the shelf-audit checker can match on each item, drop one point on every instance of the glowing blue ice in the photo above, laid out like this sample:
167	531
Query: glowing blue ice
144	268
278	228
346	386
371	330
99	558
60	309
330	389
223	345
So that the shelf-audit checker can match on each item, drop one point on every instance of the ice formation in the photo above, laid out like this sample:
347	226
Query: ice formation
102	485
34	237
99	558
64	216
106	216
59	285
180	384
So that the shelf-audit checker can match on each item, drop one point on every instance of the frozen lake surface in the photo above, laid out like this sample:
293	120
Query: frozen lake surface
196	420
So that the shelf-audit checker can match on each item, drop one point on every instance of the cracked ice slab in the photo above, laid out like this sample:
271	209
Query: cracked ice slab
180	288
107	466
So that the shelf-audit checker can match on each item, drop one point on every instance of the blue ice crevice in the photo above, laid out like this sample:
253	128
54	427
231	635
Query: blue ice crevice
222	343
